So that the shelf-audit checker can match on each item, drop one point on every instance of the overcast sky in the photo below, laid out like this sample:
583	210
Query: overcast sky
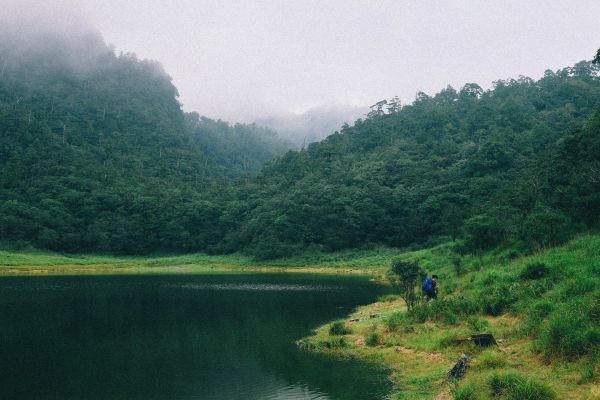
239	60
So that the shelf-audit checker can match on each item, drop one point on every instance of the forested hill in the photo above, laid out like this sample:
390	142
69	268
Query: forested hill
97	155
513	164
239	150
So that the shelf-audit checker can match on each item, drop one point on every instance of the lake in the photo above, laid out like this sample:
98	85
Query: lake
178	337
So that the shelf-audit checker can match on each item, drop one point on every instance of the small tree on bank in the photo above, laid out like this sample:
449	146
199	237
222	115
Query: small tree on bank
405	276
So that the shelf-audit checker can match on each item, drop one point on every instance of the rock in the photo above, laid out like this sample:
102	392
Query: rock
460	368
484	339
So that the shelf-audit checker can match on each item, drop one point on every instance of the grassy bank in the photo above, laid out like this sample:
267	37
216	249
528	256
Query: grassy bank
371	262
544	309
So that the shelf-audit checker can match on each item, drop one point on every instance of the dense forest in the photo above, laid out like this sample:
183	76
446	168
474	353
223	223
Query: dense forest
515	164
97	155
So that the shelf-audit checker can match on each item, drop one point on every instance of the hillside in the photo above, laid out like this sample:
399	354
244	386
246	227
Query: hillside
468	163
543	310
96	154
239	150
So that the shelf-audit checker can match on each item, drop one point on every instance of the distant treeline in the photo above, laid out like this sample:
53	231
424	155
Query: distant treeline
100	157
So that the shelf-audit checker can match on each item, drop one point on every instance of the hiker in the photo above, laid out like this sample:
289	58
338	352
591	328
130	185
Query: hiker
430	287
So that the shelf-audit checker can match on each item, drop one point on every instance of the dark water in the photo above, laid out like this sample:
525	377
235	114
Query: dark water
177	337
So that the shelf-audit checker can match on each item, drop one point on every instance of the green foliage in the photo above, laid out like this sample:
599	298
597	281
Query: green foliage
507	161
339	328
491	359
517	387
467	392
101	158
483	232
238	150
457	265
334	343
395	321
545	227
405	276
572	331
477	324
374	339
534	271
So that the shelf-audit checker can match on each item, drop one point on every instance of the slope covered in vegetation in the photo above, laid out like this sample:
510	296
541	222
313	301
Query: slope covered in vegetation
515	163
543	309
97	155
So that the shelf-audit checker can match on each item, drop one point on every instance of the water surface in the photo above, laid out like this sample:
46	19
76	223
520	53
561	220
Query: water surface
214	337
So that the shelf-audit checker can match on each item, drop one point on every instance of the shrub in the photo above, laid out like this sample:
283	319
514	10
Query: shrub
467	392
534	271
339	328
570	332
395	321
374	339
334	343
477	324
405	276
496	299
516	387
491	359
457	265
482	233
446	310
538	314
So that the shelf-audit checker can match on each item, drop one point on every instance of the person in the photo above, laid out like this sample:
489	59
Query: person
430	287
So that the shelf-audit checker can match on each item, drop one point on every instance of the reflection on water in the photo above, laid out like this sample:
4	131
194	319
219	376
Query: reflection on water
177	337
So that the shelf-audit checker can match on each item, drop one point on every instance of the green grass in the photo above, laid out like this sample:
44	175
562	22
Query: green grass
372	262
543	308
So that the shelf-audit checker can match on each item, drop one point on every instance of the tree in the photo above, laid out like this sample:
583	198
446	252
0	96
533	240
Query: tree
405	276
596	59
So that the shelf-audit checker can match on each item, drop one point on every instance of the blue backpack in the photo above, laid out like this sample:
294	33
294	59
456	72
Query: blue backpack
427	285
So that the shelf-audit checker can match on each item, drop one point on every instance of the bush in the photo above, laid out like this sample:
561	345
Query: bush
446	310
570	331
516	387
467	392
477	324
457	265
534	271
491	359
334	343
395	321
405	276
339	328
496	299
374	339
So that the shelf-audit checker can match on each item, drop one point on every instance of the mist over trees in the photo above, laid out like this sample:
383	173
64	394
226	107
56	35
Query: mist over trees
97	155
313	125
238	150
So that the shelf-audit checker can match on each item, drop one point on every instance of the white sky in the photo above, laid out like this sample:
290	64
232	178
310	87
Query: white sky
239	60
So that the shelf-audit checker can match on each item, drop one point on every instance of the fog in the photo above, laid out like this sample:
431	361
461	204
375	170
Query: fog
274	60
